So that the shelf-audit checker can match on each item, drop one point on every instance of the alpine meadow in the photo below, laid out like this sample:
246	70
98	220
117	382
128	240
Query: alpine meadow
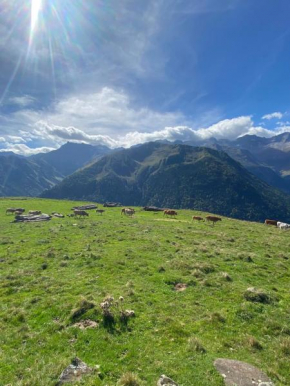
187	283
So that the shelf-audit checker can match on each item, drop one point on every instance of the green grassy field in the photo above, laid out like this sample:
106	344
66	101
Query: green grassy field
50	270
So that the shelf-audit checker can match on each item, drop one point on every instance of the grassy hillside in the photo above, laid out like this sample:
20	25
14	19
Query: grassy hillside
176	176
52	272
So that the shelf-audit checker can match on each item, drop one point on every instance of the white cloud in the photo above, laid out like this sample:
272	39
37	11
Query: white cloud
22	101
25	150
276	115
226	129
15	139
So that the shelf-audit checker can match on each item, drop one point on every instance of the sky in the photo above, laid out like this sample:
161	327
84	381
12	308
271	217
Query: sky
119	73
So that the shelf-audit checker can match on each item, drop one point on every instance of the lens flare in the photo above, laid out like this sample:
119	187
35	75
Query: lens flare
35	10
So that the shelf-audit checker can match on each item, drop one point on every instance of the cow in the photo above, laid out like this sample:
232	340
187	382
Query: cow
214	219
128	211
10	210
13	210
198	218
271	222
100	211
80	213
34	212
283	225
111	204
169	212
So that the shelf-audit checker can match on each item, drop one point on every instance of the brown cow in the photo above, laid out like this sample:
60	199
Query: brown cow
100	211
271	222
80	213
214	219
128	211
198	218
169	212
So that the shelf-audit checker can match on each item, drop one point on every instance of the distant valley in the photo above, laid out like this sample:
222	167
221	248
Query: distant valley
30	176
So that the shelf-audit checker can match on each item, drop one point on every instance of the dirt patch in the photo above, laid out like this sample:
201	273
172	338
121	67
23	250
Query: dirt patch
84	324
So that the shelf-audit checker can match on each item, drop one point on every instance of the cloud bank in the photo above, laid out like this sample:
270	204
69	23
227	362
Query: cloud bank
110	118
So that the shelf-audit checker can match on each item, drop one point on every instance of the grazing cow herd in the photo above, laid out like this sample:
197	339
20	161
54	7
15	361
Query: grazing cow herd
81	213
278	224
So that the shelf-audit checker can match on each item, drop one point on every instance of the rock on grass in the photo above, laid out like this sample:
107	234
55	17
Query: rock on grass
166	381
241	373
74	372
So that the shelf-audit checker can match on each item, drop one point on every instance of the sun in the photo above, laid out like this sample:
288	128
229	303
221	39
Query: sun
35	10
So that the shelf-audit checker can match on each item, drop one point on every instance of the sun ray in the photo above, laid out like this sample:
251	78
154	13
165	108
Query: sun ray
35	10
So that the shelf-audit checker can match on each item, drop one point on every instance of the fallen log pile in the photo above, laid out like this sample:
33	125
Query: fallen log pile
32	218
85	207
153	209
59	215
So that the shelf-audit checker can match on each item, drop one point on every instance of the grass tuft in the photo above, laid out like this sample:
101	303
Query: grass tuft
257	295
82	307
195	345
129	379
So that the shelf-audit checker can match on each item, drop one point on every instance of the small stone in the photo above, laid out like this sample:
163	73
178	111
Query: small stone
164	380
180	287
241	373
74	372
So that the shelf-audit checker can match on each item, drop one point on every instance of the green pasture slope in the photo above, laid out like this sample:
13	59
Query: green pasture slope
50	270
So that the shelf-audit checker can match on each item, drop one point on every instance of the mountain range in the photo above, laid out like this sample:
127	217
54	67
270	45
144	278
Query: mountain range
176	176
30	176
268	159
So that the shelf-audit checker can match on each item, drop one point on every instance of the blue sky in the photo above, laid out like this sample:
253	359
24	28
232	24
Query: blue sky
124	72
